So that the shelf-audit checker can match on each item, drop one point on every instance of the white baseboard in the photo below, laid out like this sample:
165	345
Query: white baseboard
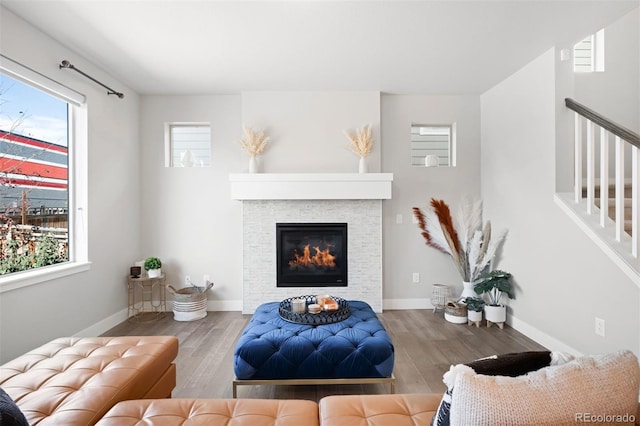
104	325
541	337
224	305
401	304
108	323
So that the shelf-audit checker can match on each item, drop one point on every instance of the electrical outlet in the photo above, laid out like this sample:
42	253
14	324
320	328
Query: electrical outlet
599	326
416	277
399	219
205	278
187	279
414	219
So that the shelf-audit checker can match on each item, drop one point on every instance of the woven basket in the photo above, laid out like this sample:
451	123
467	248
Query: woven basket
455	312
189	303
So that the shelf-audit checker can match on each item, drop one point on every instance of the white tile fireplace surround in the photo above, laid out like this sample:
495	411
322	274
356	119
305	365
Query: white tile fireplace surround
268	199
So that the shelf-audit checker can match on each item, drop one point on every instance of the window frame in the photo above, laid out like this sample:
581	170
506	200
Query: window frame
451	146
169	141
596	55
77	183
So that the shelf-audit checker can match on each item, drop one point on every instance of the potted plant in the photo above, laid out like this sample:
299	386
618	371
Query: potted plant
475	306
152	265
495	284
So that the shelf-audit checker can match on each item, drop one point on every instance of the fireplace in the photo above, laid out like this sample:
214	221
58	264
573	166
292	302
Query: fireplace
311	254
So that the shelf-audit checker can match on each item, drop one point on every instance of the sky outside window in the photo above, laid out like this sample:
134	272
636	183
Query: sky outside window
35	113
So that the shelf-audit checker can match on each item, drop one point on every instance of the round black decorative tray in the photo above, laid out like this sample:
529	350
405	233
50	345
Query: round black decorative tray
322	317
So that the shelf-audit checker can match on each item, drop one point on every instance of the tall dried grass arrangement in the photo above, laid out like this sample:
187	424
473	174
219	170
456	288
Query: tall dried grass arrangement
470	244
253	142
361	142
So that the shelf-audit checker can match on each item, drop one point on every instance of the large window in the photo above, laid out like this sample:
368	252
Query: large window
40	204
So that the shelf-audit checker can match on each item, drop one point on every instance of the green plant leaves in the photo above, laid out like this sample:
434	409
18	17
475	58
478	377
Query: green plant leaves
495	284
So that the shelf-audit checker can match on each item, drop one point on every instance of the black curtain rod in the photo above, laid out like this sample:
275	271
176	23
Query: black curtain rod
67	64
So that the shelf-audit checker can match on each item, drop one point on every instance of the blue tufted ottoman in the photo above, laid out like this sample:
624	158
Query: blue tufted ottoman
274	351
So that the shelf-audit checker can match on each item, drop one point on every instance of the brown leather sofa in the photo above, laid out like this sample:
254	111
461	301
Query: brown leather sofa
75	381
120	381
212	412
338	410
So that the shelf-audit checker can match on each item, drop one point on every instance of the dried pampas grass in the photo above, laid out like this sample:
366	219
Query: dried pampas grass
252	142
361	142
471	248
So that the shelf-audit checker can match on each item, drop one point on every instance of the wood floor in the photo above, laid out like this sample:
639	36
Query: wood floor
425	344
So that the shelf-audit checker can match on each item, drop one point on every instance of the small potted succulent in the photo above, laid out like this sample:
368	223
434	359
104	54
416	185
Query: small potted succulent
475	306
495	284
152	265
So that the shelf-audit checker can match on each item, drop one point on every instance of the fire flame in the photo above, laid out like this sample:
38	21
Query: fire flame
322	258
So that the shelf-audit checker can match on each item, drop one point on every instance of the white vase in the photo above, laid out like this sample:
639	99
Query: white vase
467	290
431	161
362	165
154	273
186	159
253	164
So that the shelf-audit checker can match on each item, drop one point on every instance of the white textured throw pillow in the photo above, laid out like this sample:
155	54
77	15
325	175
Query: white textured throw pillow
592	389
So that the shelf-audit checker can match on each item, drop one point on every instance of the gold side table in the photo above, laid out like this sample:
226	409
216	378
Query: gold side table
147	298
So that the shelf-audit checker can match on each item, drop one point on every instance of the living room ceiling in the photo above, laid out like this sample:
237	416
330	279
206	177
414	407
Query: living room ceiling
218	47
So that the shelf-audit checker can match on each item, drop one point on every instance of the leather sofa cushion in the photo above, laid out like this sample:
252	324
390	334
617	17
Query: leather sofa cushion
371	410
76	380
228	412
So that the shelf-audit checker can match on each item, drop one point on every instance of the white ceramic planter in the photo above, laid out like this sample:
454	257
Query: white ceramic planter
495	314
474	316
154	273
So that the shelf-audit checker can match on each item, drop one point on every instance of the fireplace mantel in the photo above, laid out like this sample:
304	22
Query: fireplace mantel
311	186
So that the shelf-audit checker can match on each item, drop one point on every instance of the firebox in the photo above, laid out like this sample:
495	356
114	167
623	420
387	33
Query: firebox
311	254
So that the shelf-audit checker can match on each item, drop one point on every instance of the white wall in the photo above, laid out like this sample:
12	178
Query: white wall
404	249
73	305
188	218
306	129
614	92
563	281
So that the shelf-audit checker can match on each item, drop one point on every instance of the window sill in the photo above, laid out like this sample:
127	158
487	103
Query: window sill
27	278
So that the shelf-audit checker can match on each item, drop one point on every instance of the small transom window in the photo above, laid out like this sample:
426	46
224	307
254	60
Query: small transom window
189	144
432	145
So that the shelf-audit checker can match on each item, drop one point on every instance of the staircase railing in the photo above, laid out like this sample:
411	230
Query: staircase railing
593	177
